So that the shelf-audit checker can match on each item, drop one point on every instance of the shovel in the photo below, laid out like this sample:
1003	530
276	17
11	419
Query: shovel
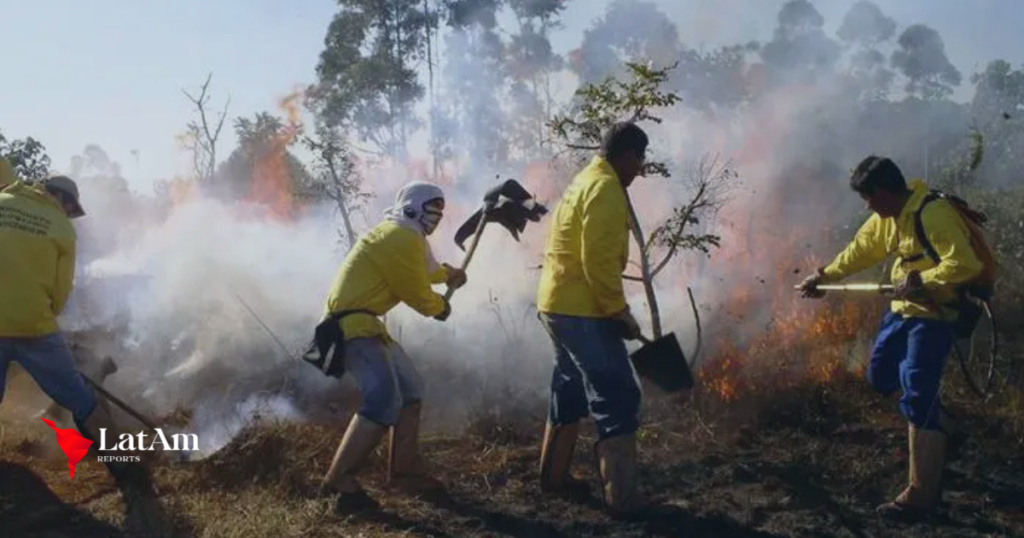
120	403
508	204
107	368
663	362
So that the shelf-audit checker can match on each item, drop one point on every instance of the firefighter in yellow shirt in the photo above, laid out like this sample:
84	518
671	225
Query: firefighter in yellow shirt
37	246
583	308
392	263
916	335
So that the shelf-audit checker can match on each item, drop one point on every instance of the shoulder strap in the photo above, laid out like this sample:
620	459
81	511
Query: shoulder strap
922	237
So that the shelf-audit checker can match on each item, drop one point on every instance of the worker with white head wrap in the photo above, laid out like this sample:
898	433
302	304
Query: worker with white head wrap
391	263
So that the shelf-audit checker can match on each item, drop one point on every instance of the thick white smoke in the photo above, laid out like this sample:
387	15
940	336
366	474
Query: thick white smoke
186	300
174	292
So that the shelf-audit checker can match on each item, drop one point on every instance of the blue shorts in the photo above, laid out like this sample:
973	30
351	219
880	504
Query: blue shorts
48	360
386	376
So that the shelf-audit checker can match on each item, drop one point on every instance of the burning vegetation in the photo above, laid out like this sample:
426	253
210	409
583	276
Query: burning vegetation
745	193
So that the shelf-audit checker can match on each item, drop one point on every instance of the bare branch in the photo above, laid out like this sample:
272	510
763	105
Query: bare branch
340	182
709	183
696	317
204	144
664	261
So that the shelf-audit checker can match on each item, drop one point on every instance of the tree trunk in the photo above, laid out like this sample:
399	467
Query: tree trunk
645	271
430	90
341	199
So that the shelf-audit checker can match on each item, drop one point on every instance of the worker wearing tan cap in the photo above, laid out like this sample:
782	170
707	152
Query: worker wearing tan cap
37	246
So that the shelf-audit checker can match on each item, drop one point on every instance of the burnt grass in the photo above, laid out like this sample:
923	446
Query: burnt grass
812	460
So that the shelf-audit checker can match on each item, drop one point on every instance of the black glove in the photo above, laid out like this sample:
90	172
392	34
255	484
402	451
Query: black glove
444	313
809	287
630	328
456	277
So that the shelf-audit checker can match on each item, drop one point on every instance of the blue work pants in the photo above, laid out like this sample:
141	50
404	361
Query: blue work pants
910	354
592	375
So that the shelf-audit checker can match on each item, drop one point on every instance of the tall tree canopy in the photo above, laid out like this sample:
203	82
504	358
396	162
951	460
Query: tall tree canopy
367	76
27	156
922	59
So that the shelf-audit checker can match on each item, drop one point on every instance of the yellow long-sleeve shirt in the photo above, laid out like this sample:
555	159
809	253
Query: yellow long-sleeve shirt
587	247
879	237
386	266
37	261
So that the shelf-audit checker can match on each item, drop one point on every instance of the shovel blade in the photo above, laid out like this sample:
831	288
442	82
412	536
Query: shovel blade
662	362
508	204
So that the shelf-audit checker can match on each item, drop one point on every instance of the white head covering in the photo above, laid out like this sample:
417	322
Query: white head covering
409	201
408	211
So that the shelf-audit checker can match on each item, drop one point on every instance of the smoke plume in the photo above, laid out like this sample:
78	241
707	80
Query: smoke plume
173	284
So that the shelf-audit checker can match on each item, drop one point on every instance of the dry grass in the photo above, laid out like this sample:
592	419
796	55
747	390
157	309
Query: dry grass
812	460
808	460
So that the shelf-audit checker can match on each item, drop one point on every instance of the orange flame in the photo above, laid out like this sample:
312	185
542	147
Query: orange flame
772	338
272	182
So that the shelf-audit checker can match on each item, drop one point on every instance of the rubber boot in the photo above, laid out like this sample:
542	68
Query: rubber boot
361	437
406	471
924	489
556	454
616	460
956	437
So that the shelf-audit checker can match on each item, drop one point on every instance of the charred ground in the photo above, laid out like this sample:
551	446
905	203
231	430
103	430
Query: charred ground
812	460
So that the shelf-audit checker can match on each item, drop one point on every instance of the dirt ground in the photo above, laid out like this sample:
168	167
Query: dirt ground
813	461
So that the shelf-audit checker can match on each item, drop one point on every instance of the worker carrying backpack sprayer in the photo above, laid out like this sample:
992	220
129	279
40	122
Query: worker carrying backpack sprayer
943	268
973	292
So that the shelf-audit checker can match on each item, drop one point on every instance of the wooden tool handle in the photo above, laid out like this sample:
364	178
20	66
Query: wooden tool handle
470	250
117	401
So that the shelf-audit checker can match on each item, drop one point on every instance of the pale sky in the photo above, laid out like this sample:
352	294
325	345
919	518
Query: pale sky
111	72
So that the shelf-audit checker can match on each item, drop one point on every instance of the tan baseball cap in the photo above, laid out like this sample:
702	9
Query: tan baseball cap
67	186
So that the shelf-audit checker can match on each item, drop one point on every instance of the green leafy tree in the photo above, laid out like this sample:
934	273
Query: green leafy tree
466	13
706	182
472	115
335	176
864	29
530	61
367	77
94	161
999	92
866	25
629	31
27	156
922	59
799	47
998	110
96	167
714	79
262	151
